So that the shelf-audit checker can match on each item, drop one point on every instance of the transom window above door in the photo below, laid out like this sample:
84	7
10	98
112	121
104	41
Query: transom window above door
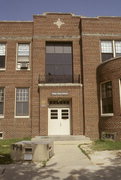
59	102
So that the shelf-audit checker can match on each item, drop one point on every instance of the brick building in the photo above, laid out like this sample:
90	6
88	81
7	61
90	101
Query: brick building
60	75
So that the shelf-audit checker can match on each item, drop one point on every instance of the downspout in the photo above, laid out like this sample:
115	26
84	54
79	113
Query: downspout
82	76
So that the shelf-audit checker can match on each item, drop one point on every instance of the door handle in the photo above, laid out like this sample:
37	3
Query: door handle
60	123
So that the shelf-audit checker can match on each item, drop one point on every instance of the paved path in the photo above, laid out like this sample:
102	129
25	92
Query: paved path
69	163
67	160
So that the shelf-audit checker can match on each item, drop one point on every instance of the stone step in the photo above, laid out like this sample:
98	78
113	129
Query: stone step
63	138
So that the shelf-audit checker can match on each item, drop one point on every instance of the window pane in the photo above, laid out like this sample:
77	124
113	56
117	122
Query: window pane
59	59
107	105
19	109
22	101
67	49
1	94
106	47
50	49
25	109
118	54
23	59
1	108
107	100
1	100
59	49
2	49
23	49
118	46
106	56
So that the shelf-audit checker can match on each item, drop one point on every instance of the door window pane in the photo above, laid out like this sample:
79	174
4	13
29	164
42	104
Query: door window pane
65	114
54	114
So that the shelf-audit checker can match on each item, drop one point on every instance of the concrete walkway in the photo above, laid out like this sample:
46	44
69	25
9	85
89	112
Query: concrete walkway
68	163
68	159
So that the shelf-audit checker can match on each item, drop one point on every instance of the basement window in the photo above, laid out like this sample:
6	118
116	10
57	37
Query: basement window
108	135
1	135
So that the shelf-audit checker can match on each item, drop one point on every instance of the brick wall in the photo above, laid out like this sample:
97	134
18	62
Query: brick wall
110	71
11	33
85	35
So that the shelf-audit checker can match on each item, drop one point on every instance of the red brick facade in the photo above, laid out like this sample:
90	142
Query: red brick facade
85	35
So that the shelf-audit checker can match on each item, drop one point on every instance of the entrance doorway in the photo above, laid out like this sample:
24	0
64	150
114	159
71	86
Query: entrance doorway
59	121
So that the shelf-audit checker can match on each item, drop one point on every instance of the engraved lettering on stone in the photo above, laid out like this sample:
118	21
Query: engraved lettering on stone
59	23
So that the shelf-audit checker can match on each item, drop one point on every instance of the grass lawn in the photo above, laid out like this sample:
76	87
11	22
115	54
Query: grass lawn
101	145
5	149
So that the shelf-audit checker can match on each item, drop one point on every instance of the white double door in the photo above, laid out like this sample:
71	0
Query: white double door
58	121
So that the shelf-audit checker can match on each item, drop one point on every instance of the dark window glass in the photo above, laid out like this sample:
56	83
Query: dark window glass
2	61
1	108
59	60
107	100
1	101
118	54
106	56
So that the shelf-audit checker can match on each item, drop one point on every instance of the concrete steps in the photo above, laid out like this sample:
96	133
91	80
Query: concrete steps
63	138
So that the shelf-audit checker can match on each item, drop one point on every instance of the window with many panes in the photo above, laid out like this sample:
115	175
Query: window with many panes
1	101
22	101
23	56
2	55
110	49
106	98
58	66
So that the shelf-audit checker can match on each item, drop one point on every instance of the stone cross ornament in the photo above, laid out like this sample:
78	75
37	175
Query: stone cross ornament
59	23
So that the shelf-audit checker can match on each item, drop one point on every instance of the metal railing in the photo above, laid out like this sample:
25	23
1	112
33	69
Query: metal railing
59	79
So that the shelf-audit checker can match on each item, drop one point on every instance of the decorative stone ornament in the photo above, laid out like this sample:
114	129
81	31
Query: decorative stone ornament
59	23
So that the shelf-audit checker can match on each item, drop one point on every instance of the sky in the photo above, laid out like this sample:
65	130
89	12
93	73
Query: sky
24	9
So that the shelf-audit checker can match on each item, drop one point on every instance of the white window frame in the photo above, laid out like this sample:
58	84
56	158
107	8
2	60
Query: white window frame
104	114
21	117
3	69
2	115
29	63
113	48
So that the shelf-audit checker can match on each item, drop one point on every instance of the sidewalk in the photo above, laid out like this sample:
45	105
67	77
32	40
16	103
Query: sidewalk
68	158
68	163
